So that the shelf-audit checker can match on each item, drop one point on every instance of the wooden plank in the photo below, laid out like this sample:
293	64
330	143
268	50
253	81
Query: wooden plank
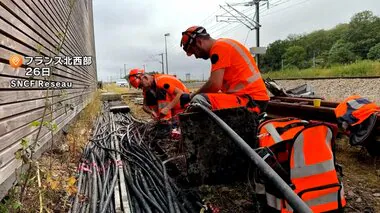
15	96
8	110
25	26
84	50
88	52
56	74
54	17
50	26
8	125
6	83
10	82
7	170
6	69
75	27
22	73
27	130
6	53
48	47
62	19
79	108
33	27
6	155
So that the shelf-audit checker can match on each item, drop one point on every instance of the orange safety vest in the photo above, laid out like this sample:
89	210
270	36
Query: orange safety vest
280	129
354	110
305	150
165	85
241	76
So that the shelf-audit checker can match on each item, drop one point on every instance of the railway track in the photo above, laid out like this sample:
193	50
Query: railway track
328	78
303	108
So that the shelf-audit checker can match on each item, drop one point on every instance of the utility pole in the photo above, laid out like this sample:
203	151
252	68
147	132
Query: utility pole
257	29
166	53
162	63
313	59
251	23
125	70
121	71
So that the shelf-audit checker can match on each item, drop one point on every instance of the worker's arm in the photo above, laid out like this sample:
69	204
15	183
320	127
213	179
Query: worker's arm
148	110
175	101
213	84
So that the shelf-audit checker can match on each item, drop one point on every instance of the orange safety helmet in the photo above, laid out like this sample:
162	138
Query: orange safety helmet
188	36
134	77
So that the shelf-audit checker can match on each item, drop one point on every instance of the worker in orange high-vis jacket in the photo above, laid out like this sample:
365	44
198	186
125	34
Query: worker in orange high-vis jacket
149	101
168	90
235	79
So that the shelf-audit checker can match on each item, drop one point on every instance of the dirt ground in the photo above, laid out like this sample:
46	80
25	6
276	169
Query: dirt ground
361	178
361	185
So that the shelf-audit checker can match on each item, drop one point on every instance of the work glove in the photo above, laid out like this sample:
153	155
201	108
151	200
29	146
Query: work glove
184	99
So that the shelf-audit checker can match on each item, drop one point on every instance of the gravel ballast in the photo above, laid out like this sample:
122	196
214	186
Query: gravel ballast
338	89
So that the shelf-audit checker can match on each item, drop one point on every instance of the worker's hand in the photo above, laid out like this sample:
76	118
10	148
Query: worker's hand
165	111
154	115
184	99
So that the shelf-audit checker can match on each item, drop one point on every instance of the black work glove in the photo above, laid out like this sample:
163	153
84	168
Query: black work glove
184	99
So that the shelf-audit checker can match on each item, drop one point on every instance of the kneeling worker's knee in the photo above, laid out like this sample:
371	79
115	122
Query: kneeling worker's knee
201	99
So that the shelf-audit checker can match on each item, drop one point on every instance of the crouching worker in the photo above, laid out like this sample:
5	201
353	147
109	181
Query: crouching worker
235	80
150	101
166	90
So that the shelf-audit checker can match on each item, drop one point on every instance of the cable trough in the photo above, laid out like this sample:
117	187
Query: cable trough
119	172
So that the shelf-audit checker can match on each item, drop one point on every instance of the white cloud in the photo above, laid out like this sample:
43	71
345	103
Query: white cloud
131	32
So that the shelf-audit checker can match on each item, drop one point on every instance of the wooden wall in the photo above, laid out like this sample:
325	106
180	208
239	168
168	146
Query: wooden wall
35	28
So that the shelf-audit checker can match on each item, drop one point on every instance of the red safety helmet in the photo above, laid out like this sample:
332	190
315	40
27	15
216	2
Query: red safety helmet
134	77
188	37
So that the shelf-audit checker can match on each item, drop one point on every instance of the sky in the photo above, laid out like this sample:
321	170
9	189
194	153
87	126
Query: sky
130	33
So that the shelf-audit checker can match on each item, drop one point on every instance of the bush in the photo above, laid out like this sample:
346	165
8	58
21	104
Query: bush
374	52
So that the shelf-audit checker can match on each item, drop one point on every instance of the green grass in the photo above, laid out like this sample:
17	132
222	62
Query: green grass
361	68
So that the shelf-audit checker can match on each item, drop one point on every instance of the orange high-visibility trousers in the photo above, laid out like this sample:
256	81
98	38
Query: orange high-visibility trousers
222	101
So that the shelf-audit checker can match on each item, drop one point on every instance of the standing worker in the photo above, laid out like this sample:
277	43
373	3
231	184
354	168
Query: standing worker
166	90
235	79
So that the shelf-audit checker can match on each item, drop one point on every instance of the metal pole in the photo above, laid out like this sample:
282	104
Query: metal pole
166	54
257	29
125	70
294	200
162	63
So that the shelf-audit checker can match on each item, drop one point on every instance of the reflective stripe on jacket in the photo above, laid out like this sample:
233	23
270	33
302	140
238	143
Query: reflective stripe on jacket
309	161
354	110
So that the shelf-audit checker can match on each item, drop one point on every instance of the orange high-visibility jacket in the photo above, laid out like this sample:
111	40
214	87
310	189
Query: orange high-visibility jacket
241	75
305	151
280	129
165	86
354	110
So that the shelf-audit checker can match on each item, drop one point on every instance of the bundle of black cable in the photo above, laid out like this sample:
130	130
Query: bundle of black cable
212	157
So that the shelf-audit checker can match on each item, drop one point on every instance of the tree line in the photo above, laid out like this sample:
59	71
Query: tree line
345	43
